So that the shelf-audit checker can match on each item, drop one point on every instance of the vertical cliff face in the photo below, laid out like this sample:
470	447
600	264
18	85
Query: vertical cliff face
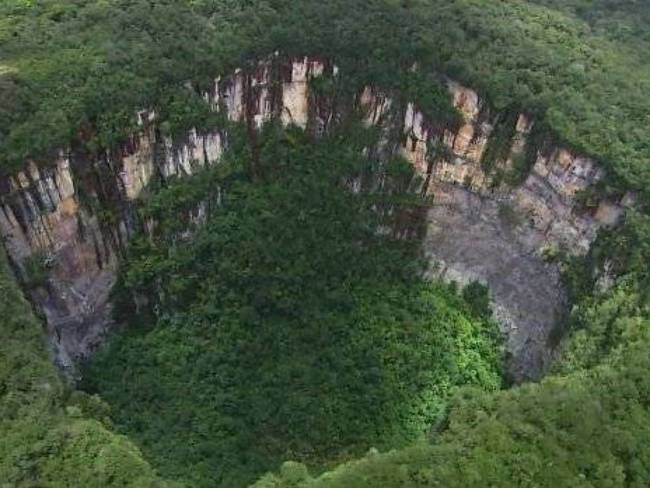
66	225
506	235
47	230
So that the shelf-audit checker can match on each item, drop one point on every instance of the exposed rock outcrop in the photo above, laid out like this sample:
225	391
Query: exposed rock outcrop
74	217
507	236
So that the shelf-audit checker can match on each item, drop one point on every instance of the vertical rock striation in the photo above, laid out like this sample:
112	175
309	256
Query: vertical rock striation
504	235
65	225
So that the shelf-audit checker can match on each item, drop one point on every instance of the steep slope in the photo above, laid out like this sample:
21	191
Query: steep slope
586	425
516	53
292	323
78	148
524	175
73	221
49	436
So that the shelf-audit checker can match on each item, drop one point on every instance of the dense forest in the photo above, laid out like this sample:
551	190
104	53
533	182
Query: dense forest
50	435
584	425
619	20
288	333
290	326
79	70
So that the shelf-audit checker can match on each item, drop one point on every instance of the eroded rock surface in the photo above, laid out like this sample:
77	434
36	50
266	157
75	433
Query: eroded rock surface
76	215
475	238
502	236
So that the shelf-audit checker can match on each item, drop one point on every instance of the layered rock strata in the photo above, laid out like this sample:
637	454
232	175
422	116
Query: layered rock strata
65	225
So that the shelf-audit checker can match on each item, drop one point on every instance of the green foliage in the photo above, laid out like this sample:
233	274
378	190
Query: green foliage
79	70
432	98
48	437
551	65
35	272
293	324
602	319
586	429
586	425
289	325
624	21
477	297
500	143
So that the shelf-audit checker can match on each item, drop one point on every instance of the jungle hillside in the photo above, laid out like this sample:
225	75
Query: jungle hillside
278	323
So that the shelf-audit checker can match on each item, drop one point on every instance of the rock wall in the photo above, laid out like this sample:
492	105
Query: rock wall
65	225
503	236
73	218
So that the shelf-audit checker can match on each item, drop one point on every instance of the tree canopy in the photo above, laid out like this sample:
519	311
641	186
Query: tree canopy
289	325
287	318
586	424
51	436
78	71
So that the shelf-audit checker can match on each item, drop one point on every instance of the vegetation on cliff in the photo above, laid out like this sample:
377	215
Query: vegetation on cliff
587	424
78	71
293	324
51	436
287	317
